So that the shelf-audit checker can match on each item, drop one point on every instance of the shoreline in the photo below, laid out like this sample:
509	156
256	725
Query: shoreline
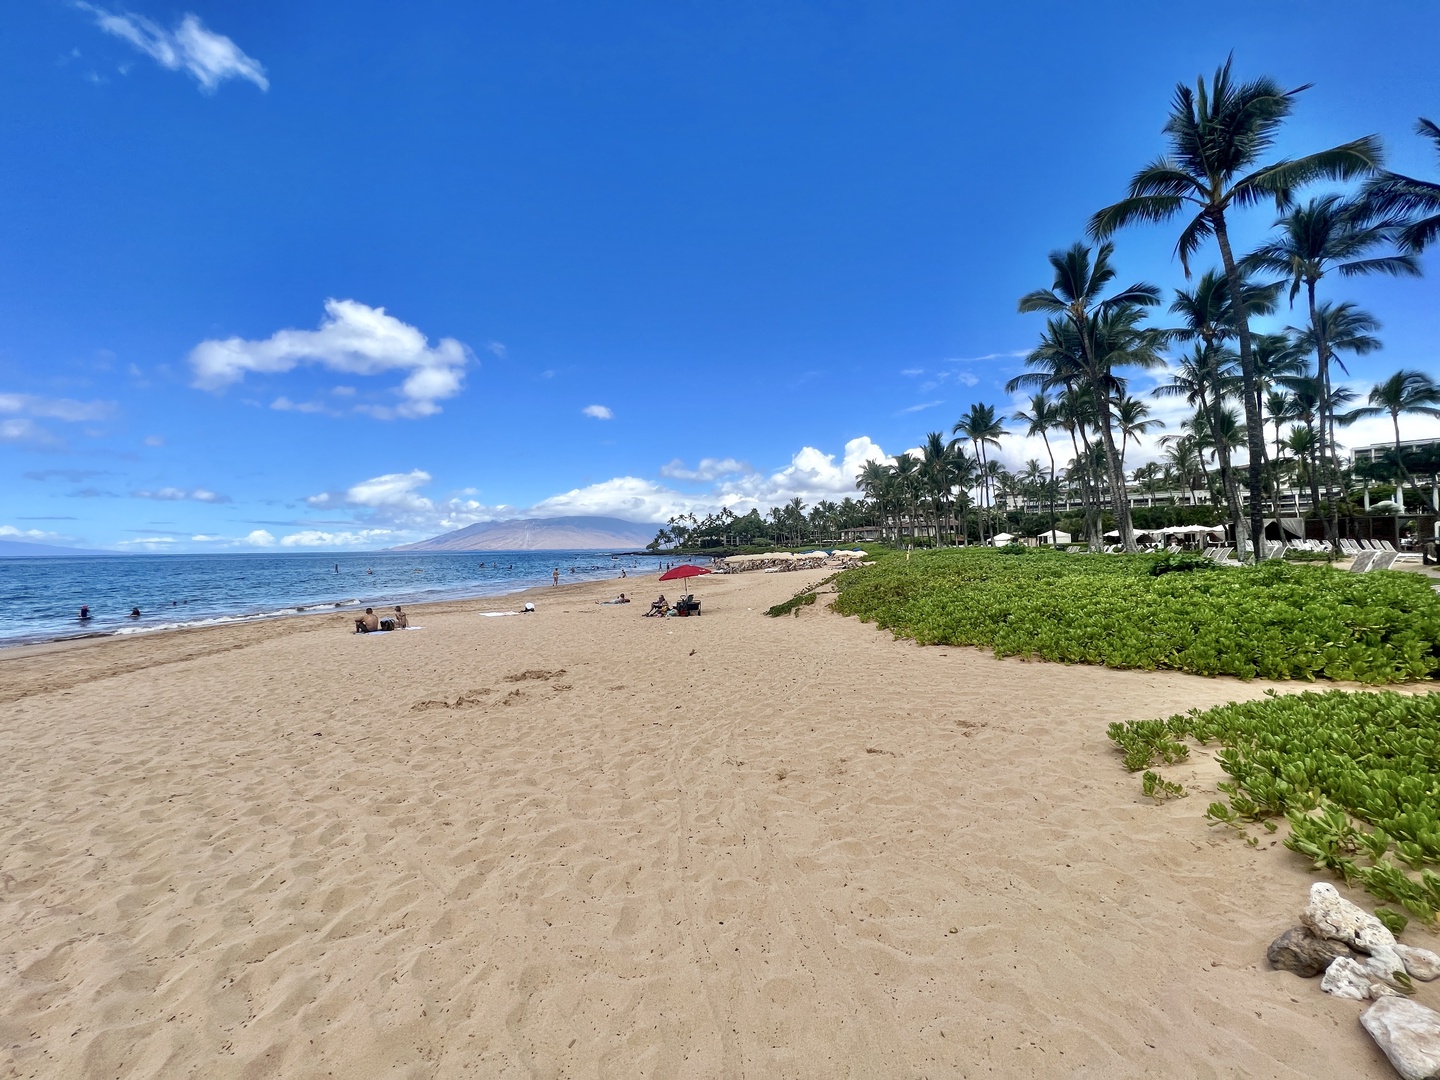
280	612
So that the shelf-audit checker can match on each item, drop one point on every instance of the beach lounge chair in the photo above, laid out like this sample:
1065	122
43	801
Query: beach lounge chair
1362	562
1220	554
1349	547
1384	560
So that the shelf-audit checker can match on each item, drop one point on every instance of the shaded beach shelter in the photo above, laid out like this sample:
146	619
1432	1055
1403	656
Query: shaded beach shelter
1001	538
1060	536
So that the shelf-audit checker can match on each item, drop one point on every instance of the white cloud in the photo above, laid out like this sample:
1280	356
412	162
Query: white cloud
151	542
921	407
66	409
966	379
599	412
708	469
33	535
811	475
627	497
355	339
259	538
393	491
318	538
210	58
26	431
154	440
498	349
284	404
174	494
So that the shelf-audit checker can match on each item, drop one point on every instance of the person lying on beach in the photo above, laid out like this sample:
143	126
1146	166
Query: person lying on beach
367	623
659	607
401	619
618	600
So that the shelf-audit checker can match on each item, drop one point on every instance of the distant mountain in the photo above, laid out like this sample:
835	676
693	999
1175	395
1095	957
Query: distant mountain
11	548
542	534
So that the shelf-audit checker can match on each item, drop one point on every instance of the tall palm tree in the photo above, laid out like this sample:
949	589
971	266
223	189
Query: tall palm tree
906	472
982	428
1327	233
1205	377
1413	206
1403	392
1074	295
872	480
1130	414
1183	457
1216	140
1041	418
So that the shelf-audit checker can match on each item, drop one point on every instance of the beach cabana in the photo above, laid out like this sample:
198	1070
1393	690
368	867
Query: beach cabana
1000	539
1054	536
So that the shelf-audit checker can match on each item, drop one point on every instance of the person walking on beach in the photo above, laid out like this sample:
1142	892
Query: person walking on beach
555	577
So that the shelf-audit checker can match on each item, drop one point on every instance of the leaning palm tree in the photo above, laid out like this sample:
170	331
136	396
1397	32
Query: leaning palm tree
1217	138
982	428
1403	392
1041	418
1074	295
1412	206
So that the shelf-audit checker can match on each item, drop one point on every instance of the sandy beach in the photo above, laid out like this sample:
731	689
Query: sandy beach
584	843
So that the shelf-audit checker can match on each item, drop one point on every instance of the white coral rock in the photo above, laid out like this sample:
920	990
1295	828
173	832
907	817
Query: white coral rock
1332	916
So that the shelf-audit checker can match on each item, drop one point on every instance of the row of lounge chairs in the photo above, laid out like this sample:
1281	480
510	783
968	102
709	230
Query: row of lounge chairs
1358	547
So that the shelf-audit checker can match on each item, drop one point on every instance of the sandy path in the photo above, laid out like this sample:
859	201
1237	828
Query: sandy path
582	843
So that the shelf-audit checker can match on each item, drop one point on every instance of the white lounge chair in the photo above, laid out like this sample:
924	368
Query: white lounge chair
1384	560
1362	562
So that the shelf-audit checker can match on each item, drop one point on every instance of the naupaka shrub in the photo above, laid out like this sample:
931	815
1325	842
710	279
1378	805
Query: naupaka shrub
1357	776
1273	621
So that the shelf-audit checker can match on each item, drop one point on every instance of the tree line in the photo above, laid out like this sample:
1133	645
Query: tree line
1271	398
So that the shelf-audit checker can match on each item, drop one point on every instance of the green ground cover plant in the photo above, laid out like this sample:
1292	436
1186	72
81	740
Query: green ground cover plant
1356	775
1273	621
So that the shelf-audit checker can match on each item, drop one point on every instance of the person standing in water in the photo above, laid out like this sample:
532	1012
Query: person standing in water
84	612
555	576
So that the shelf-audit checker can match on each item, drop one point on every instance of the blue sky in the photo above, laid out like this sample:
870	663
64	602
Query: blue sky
335	275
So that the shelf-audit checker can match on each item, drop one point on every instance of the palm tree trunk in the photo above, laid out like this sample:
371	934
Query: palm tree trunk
1331	517
1089	498
1119	497
1254	437
1051	454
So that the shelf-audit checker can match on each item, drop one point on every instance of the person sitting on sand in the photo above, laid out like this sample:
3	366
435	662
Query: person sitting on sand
367	623
401	619
618	600
659	607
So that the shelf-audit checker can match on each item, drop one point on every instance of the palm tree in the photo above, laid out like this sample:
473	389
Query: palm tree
1412	206
1130	413
1205	377
1183	456
1403	392
1216	140
983	429
873	480
1074	295
1327	233
1042	417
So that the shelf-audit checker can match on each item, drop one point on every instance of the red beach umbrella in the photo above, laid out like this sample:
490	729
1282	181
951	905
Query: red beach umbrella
684	570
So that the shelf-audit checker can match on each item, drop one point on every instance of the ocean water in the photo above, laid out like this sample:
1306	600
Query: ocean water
40	598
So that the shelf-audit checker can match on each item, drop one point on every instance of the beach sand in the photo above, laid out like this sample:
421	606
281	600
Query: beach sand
583	843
